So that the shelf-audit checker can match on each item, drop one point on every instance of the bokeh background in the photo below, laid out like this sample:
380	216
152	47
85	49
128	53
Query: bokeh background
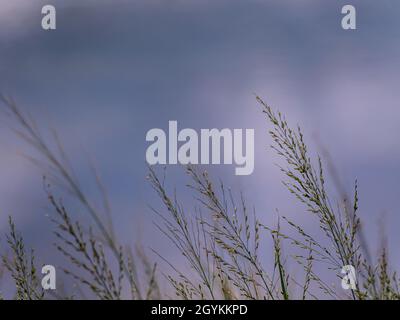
115	69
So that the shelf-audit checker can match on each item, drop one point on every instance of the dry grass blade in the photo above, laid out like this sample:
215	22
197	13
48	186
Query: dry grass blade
22	267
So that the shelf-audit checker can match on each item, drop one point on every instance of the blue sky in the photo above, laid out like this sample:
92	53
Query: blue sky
115	69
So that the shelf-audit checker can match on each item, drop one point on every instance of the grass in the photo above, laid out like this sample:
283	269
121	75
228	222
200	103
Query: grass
221	238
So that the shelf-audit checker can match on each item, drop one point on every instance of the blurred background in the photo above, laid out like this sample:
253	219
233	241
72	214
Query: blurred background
112	70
